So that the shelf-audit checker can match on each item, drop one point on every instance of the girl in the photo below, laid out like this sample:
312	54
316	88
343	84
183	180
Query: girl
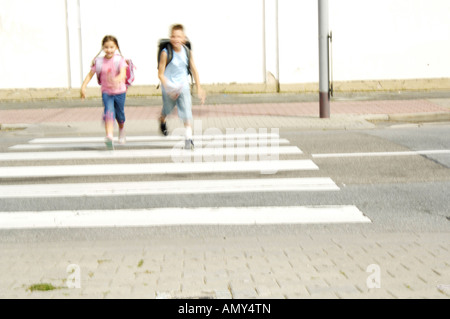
112	77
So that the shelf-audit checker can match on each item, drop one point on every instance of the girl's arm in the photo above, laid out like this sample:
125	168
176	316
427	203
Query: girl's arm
201	93
122	75
85	83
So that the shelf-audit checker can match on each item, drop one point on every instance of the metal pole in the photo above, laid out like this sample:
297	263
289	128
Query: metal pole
264	41
80	42
278	47
324	91
69	73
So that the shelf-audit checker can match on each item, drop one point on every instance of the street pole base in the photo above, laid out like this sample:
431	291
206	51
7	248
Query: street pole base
324	100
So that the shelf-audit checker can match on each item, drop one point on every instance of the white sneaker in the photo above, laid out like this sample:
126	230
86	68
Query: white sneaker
122	139
109	143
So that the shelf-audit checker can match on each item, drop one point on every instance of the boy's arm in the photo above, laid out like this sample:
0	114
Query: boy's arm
85	83
201	93
162	68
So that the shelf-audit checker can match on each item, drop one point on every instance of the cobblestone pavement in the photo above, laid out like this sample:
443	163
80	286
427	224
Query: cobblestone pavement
274	267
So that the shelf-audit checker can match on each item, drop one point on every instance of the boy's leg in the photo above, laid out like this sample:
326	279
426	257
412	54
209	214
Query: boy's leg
188	142
185	114
108	118
168	106
119	107
163	125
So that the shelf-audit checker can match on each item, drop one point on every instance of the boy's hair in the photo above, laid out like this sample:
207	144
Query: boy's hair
175	27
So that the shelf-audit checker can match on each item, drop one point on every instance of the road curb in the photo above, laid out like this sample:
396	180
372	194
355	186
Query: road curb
410	117
13	127
420	117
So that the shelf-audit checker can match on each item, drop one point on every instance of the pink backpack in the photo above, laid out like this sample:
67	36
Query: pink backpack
130	69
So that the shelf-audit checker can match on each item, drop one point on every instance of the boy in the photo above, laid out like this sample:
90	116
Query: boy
175	84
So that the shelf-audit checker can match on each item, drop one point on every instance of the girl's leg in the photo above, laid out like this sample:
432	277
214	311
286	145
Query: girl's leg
122	138
108	117
119	107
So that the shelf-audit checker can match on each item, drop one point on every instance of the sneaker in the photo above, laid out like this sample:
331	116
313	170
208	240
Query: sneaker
188	144
163	127
109	143
122	139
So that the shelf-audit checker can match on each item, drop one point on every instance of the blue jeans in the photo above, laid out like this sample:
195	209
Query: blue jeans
114	107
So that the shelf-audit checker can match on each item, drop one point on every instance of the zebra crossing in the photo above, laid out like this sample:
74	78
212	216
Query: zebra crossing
255	154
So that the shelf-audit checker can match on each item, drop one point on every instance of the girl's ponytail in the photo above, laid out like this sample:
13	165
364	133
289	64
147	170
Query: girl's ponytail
93	60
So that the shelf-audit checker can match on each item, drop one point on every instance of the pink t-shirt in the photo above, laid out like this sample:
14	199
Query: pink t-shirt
108	73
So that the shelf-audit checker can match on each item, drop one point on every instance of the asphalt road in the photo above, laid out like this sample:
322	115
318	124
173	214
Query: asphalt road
375	170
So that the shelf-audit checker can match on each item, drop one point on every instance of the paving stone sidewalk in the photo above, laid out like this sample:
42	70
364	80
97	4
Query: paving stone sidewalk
313	265
222	112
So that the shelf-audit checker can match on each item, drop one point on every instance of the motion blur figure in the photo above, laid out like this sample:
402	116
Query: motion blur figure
175	84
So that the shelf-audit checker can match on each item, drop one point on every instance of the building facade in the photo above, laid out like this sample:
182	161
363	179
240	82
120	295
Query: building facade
51	43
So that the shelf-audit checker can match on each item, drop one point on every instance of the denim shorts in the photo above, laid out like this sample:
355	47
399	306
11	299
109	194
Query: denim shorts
183	103
114	107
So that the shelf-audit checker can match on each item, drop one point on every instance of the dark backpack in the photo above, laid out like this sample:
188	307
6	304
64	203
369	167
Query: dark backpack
165	44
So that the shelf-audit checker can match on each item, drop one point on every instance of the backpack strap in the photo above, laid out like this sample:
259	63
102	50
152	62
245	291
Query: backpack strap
117	59
130	72
187	47
129	78
165	44
188	53
169	49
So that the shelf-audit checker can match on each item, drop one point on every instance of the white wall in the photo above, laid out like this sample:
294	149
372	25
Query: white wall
390	39
384	39
299	41
219	31
32	44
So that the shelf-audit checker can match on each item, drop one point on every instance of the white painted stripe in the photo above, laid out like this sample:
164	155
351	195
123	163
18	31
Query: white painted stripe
168	187
374	154
152	153
183	216
265	167
155	138
179	144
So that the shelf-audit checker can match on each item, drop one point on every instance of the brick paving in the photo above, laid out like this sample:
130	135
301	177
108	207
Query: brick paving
94	112
274	267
